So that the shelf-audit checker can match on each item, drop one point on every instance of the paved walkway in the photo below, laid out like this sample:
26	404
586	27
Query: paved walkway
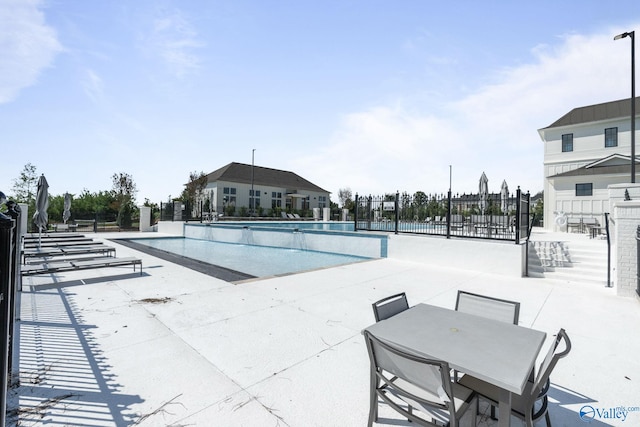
175	347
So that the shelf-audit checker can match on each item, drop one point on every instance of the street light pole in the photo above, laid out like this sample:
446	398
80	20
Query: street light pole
252	200
631	34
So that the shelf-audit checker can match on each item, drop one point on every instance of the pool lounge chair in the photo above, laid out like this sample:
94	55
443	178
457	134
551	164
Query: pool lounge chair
34	237
69	250
54	243
57	267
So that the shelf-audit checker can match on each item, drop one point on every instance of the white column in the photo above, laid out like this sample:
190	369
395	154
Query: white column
145	218
24	217
626	217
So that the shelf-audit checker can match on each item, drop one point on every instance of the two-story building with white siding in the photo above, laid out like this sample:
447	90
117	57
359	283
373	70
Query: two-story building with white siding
585	151
239	185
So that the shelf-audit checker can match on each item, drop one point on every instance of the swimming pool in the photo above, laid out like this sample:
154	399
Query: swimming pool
292	225
250	260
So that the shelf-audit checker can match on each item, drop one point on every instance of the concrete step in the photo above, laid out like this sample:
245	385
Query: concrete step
580	260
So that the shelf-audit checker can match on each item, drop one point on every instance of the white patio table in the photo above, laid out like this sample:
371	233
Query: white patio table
497	352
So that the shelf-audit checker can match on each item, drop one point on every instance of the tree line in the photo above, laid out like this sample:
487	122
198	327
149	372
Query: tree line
117	204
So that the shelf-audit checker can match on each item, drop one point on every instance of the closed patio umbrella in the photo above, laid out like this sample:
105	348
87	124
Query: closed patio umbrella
40	217
504	197
483	191
67	208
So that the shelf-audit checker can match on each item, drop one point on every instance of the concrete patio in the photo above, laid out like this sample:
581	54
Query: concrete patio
175	347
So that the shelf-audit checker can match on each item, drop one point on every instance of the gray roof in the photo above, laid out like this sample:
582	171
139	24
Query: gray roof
241	173
600	170
606	166
597	112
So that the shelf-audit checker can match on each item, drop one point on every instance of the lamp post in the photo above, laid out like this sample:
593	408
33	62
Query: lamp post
251	196
633	101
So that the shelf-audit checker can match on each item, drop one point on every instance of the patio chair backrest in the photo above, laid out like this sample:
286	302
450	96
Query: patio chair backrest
457	218
391	363
489	307
500	220
390	306
549	363
590	221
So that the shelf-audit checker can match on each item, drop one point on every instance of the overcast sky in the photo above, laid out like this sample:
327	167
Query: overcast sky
371	95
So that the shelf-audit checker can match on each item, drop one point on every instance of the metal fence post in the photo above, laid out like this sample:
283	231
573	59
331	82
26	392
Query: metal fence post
6	229
397	209
606	228
449	214
355	214
14	212
518	214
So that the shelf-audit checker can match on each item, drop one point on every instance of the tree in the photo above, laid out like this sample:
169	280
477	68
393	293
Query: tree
124	191
538	209
195	186
346	197
24	187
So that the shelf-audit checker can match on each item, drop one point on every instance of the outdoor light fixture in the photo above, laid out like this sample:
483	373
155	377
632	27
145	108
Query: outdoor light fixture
633	101
252	200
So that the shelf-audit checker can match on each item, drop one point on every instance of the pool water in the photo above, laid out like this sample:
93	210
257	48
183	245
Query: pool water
290	225
257	261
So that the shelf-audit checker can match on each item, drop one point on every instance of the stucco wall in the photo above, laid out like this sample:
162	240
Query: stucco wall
505	258
175	228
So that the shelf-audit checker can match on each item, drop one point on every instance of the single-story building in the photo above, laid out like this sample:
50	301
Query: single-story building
239	185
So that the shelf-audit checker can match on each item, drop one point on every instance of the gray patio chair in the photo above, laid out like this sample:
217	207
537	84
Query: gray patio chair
535	393
489	307
390	306
409	384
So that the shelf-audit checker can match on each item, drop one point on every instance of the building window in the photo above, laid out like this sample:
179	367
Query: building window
229	195
276	199
584	189
322	201
254	198
611	137
567	142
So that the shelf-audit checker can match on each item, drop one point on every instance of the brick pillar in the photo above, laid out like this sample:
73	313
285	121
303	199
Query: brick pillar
626	217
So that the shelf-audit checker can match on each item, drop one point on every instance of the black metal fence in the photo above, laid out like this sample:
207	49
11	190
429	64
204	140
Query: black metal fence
181	211
486	216
100	222
9	286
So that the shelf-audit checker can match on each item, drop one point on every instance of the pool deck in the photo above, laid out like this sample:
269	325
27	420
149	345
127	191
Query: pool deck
175	347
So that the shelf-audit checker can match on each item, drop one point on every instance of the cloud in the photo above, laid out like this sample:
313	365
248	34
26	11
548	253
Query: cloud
174	40
93	85
27	46
388	148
